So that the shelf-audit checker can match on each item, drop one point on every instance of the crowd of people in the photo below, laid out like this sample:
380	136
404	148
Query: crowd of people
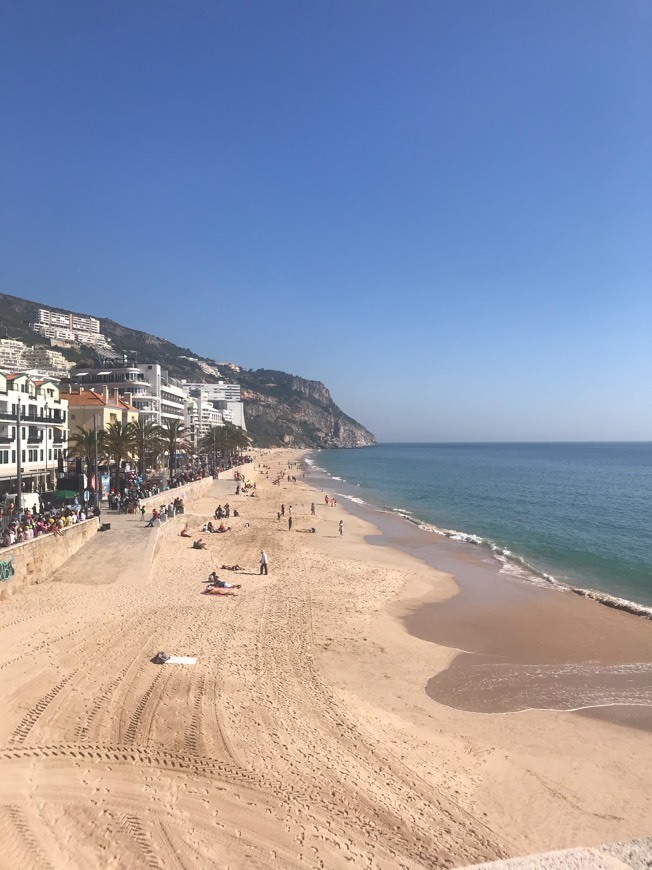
27	524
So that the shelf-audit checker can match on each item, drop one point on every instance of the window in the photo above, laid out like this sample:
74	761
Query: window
13	456
49	454
4	457
22	453
41	456
73	417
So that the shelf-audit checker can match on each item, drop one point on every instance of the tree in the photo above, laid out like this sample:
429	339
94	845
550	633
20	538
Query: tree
236	439
117	443
81	445
212	443
175	440
225	440
148	441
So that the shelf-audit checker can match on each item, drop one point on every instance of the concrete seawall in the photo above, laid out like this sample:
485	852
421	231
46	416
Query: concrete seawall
37	560
40	559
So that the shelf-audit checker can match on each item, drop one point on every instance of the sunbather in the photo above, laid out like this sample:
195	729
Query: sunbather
199	544
184	533
232	568
215	582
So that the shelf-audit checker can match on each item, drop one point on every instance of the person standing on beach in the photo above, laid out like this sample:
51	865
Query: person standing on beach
341	528
282	510
312	509
263	562
290	523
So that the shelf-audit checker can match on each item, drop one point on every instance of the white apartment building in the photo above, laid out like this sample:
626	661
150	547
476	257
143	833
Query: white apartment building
217	391
46	360
11	353
166	392
34	405
224	397
15	356
202	415
66	326
157	396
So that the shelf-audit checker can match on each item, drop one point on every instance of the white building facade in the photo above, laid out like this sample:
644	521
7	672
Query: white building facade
156	396
66	326
33	406
224	397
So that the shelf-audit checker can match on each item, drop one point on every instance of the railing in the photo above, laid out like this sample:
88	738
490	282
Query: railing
31	418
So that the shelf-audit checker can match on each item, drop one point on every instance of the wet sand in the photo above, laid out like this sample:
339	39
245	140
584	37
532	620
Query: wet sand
521	646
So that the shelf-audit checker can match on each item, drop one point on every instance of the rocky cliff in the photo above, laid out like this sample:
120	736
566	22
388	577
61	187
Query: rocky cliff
285	409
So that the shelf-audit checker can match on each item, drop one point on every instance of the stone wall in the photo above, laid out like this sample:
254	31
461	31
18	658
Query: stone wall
36	561
191	493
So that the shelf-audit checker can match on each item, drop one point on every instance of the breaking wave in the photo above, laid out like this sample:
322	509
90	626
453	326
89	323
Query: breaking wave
511	563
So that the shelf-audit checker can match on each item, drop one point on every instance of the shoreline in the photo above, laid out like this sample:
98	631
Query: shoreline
304	733
512	564
528	646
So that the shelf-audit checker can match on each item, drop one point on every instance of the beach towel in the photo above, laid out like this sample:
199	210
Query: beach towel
162	658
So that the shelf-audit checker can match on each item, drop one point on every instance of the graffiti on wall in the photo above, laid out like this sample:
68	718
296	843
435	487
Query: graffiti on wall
6	570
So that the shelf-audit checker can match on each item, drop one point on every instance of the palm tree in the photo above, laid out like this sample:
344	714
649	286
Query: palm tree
117	443
213	443
225	440
81	445
148	441
235	439
175	440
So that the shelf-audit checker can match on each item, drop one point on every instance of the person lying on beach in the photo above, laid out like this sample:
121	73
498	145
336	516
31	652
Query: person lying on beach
214	590
199	544
232	568
223	528
214	581
184	533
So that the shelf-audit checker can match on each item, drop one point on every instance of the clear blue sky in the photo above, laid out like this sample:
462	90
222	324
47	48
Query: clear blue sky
443	210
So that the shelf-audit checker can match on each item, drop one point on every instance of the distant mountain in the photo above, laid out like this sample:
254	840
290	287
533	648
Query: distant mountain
280	409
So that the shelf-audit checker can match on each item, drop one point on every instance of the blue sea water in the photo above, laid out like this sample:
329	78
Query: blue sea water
577	514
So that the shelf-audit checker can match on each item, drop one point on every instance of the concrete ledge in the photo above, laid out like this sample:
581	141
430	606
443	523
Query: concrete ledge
37	560
634	855
191	493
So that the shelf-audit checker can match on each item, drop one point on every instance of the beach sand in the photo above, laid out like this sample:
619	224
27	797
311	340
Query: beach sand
309	733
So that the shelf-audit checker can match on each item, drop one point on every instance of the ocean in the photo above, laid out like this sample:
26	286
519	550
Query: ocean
573	514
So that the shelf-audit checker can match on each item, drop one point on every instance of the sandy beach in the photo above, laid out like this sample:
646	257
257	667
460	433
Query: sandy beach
312	731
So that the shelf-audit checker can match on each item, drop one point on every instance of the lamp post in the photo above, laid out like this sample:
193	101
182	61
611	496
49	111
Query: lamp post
97	483
47	444
19	463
